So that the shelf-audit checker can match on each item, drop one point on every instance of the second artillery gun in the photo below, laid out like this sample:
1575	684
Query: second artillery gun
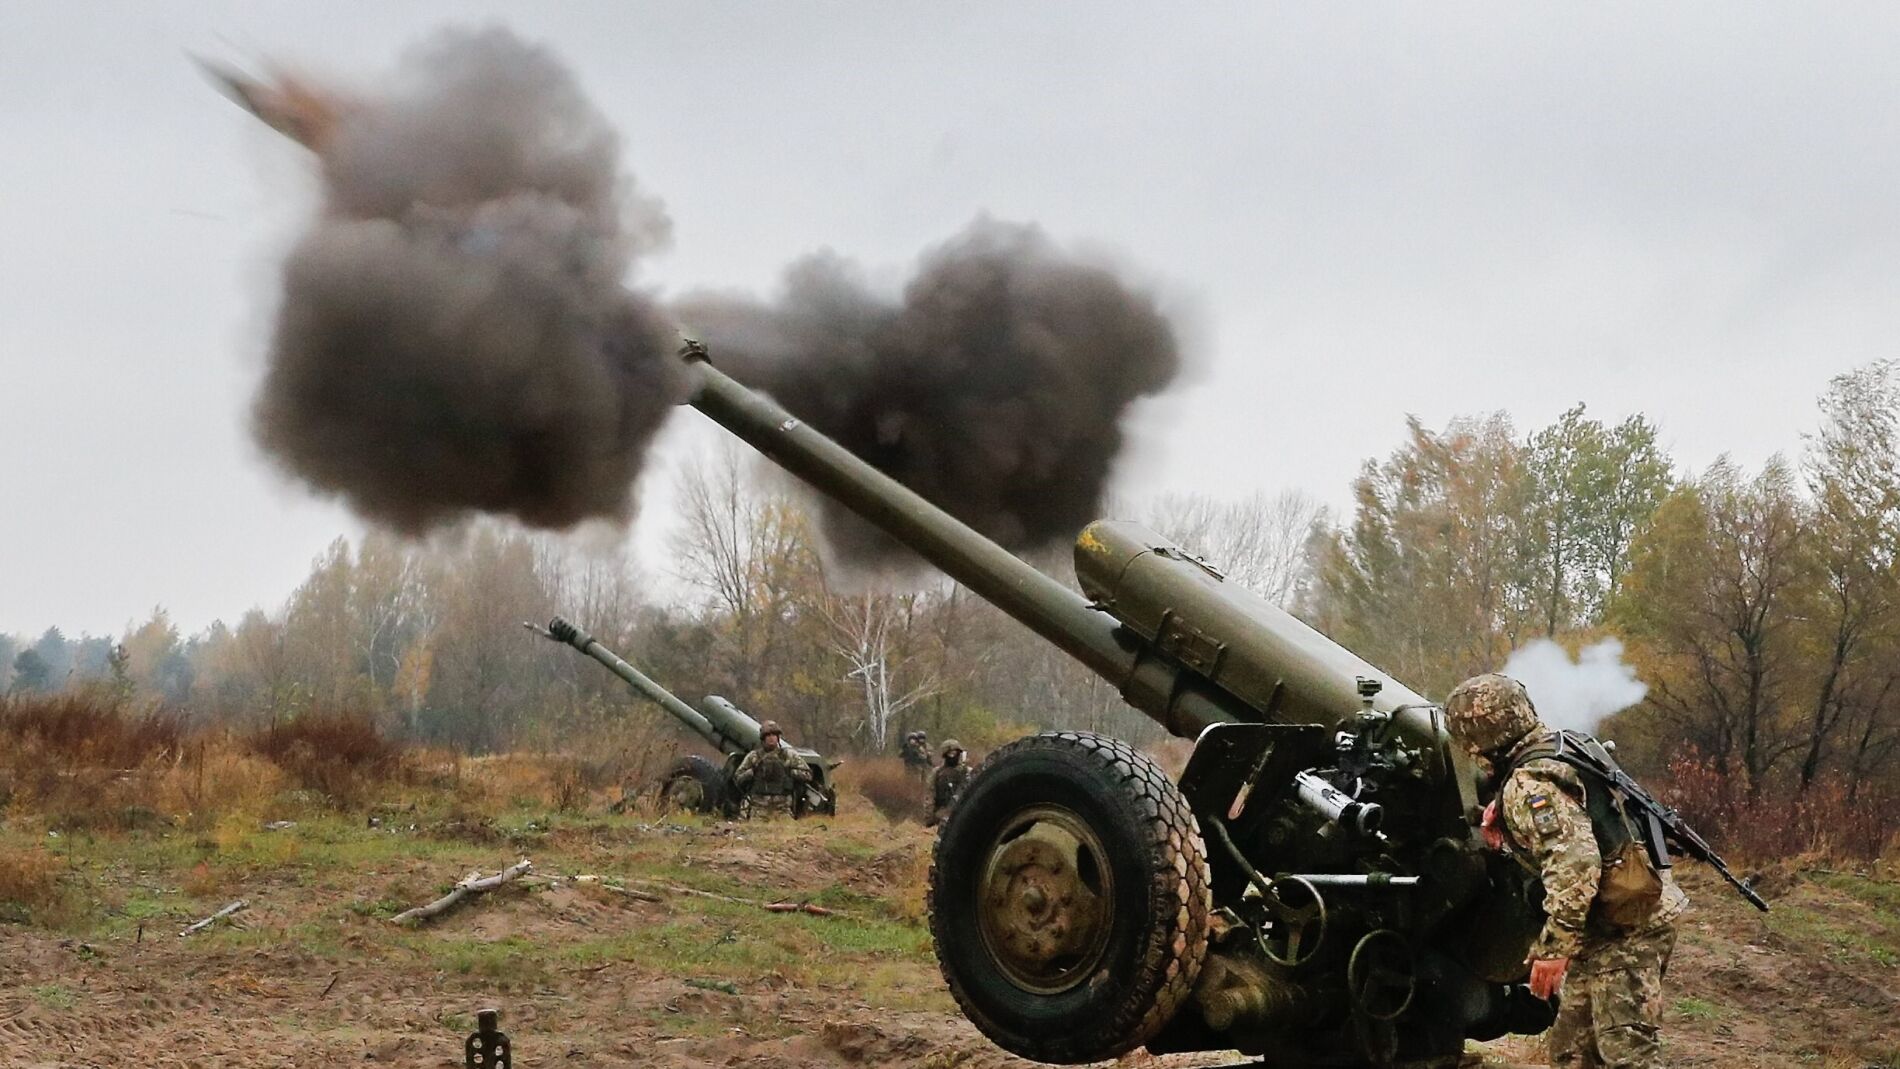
695	782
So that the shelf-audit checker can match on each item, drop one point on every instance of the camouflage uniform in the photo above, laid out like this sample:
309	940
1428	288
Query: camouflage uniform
771	775
916	755
947	781
1610	1005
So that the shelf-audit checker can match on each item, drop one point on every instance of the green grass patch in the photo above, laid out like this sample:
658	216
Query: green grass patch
1882	895
1696	1009
853	851
55	996
1804	924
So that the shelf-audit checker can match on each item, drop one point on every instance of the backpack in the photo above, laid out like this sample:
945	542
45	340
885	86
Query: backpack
1631	885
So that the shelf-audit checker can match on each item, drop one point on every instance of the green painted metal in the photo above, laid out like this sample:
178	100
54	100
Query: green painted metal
720	723
1242	643
1183	702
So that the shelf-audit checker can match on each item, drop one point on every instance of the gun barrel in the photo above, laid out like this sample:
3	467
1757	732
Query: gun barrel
562	631
1179	700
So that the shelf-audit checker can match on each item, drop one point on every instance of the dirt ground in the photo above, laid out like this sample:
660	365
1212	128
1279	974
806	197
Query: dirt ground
315	974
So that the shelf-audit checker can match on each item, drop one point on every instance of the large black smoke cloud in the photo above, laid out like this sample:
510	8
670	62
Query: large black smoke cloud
994	387
455	333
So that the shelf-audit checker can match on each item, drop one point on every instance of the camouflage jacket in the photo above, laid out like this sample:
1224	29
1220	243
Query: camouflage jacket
772	771
1541	808
946	783
916	753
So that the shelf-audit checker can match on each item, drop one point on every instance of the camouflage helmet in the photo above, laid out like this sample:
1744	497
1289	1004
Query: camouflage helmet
1489	712
951	746
770	727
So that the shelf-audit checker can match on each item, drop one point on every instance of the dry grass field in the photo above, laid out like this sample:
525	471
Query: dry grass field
687	970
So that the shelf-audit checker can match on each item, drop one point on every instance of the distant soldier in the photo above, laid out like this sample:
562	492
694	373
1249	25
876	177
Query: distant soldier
1610	916
772	774
916	755
947	781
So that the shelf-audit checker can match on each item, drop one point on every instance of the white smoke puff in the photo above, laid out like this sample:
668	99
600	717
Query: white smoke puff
1576	694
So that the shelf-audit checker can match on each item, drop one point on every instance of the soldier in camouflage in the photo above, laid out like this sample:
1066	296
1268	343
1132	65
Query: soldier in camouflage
947	781
916	755
1609	970
772	774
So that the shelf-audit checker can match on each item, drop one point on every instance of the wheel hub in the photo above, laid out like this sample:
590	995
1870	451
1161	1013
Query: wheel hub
684	792
1047	897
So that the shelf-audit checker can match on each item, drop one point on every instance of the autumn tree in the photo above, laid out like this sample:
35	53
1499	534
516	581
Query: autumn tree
1853	477
1710	604
155	659
1432	579
876	631
747	548
486	673
1590	490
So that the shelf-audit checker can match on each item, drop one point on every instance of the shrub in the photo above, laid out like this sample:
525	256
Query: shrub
1778	820
84	760
87	730
890	787
29	877
217	774
337	754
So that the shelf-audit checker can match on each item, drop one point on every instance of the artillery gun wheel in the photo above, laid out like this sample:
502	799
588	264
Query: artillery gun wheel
695	784
1069	898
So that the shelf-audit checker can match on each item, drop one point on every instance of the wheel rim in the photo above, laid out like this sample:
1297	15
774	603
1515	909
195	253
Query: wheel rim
1047	893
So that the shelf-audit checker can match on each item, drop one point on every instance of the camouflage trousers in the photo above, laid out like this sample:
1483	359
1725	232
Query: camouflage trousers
768	806
1611	1006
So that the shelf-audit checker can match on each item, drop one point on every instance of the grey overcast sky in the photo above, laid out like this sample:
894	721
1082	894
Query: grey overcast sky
1361	210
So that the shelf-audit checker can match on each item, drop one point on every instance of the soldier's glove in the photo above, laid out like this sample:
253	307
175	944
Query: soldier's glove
1547	976
1492	830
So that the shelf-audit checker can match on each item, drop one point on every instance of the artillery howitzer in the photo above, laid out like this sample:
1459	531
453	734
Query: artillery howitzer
695	782
1314	889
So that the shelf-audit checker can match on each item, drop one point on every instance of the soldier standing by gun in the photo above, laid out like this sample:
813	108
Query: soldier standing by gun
1610	912
947	782
772	773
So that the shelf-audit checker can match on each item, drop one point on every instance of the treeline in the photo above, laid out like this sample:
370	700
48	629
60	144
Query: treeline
1761	608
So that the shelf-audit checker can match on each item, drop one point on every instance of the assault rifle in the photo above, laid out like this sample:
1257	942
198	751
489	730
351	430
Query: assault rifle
1661	825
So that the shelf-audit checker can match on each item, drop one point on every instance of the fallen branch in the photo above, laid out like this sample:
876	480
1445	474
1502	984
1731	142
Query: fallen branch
600	882
472	884
627	892
797	907
214	918
771	907
726	987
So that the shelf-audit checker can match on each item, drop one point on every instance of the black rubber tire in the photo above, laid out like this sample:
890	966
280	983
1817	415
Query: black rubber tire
712	781
1161	898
